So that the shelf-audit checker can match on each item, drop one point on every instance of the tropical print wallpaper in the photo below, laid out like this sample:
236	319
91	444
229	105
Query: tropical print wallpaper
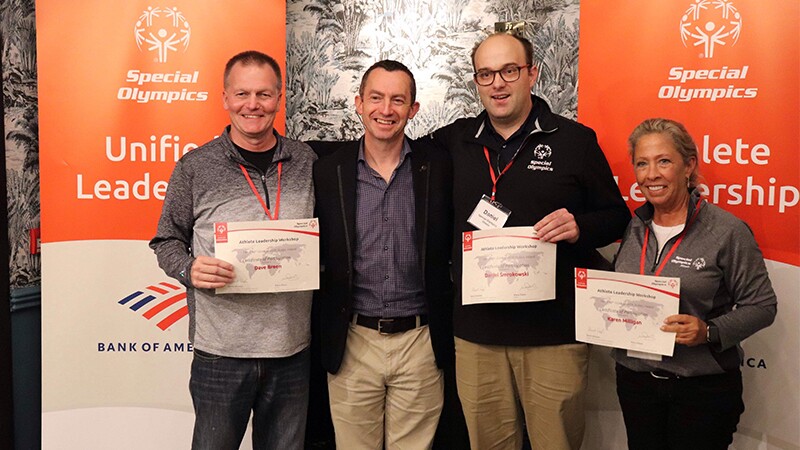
329	44
21	127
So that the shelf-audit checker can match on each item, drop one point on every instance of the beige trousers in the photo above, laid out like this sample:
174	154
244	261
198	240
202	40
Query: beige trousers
499	386
388	390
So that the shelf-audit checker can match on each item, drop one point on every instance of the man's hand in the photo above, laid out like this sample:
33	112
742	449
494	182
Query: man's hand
211	273
557	226
690	330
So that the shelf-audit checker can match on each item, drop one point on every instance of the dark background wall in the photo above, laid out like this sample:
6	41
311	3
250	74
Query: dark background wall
6	415
20	324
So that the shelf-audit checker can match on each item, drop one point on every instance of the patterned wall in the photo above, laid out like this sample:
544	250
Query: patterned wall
21	120
331	42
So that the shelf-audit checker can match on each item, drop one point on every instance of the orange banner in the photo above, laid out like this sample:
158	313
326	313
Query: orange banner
125	89
726	69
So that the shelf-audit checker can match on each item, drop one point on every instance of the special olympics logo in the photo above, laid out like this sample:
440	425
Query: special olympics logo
711	23
542	151
162	30
699	263
672	283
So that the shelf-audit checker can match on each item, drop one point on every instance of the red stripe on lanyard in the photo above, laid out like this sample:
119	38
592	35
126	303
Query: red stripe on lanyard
495	178
258	196
671	250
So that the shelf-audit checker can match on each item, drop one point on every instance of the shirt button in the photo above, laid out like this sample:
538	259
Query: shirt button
385	219
385	247
386	277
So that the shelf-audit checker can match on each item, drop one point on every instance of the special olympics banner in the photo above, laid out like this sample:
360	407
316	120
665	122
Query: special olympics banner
728	70
125	89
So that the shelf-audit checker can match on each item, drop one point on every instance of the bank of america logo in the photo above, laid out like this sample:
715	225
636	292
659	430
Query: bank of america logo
709	24
161	31
164	303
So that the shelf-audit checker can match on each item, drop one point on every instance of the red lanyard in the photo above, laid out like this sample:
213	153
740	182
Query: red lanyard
671	250
491	171
258	196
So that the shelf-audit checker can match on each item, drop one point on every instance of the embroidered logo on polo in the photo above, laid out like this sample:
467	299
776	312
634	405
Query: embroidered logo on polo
686	263
699	263
542	152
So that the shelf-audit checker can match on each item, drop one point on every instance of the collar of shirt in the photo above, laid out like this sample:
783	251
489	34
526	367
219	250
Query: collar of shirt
522	131
507	148
403	153
260	160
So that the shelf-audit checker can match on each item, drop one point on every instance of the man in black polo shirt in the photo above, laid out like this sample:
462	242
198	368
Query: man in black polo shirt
384	206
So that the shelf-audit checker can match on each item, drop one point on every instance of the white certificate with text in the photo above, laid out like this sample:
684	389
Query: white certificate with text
269	256
625	310
507	265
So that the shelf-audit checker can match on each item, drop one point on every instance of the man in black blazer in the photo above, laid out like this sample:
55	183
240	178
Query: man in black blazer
385	211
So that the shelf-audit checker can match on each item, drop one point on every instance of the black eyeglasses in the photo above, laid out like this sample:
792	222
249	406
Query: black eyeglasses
508	74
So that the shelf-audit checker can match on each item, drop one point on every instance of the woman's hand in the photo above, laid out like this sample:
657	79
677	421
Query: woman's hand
690	330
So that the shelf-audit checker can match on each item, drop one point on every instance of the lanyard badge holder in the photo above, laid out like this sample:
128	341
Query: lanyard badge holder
489	213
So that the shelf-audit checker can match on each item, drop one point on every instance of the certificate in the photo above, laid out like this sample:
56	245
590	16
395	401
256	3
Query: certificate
625	310
507	265
269	256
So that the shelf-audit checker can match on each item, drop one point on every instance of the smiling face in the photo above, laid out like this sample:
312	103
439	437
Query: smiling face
252	99
661	172
385	105
507	103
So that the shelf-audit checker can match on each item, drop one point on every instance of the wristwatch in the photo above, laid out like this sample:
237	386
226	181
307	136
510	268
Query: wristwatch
712	333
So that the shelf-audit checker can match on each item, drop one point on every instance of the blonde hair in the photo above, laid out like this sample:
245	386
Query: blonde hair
677	133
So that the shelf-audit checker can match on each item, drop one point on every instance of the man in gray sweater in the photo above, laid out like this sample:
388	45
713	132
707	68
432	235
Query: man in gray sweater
250	350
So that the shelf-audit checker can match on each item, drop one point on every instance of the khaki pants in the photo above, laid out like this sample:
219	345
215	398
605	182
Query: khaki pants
499	386
387	386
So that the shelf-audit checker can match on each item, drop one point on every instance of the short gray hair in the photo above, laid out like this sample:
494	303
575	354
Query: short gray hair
253	58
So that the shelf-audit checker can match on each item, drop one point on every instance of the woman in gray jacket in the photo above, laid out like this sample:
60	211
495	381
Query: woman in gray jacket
692	399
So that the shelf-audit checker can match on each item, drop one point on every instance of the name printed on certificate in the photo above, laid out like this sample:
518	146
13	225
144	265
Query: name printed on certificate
624	310
269	256
507	265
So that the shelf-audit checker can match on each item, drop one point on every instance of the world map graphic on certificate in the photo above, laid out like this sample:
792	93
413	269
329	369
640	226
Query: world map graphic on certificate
273	260
510	267
507	265
270	256
625	310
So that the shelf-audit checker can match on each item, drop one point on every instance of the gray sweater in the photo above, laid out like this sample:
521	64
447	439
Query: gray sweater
723	280
207	186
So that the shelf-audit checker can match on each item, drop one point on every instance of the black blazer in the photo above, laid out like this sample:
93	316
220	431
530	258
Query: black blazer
335	189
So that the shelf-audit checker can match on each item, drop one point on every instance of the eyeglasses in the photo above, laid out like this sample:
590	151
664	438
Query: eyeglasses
508	74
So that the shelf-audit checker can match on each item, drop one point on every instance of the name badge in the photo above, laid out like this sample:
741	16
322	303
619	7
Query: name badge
488	214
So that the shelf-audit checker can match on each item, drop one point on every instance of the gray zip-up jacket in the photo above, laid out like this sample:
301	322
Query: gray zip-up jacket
723	280
207	186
